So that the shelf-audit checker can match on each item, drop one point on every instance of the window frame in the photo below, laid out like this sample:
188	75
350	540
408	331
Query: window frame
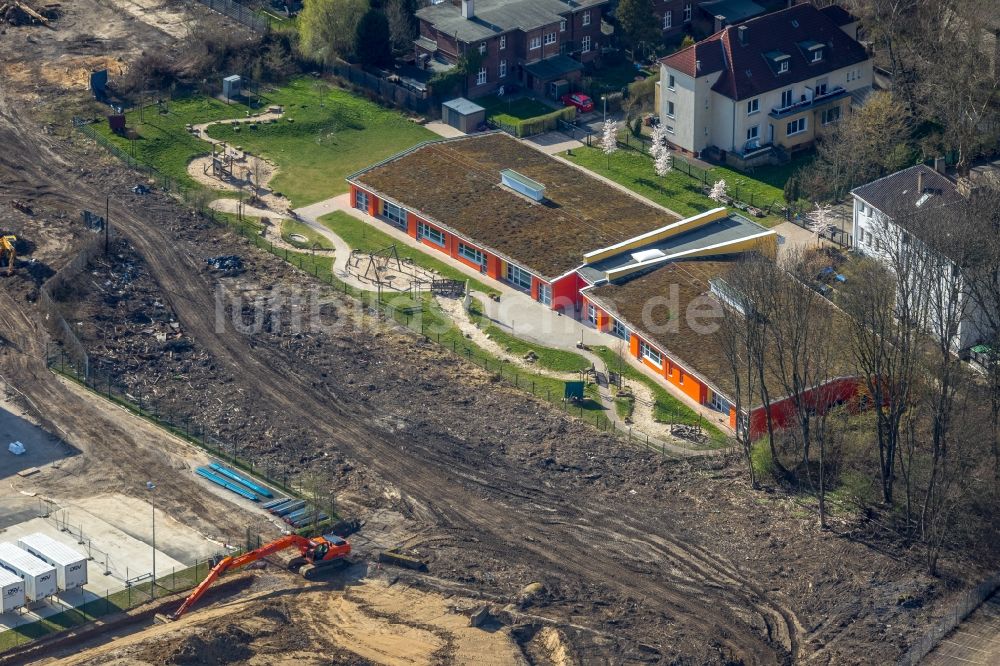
620	330
756	132
359	196
671	82
647	352
817	55
502	69
482	76
687	13
592	313
391	218
482	48
514	276
791	98
801	122
535	43
426	231
753	106
824	116
503	42
562	25
545	293
585	44
783	67
668	19
549	38
473	254
670	109
586	18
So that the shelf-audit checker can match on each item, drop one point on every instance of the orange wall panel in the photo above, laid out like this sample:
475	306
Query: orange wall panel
411	225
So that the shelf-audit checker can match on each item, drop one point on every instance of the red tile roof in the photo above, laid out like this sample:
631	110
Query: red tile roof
745	69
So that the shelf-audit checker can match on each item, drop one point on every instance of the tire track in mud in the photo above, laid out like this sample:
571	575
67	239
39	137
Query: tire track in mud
502	516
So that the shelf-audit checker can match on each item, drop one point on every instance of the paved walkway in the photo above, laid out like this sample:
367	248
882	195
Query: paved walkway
515	311
442	129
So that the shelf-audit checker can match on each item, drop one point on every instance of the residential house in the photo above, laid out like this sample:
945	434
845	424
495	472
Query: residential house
904	217
755	92
528	43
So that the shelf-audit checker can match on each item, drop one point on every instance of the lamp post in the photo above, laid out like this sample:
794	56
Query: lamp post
604	98
152	588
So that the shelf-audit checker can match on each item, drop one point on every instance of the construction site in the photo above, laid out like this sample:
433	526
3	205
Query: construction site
446	517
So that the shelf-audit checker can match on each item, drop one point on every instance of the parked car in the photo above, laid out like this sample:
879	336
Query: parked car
582	102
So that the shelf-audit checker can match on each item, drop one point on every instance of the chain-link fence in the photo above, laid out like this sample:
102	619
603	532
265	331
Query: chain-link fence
964	607
240	13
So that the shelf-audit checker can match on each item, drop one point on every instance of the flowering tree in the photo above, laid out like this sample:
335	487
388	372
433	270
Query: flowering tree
658	139
819	220
663	163
718	192
609	139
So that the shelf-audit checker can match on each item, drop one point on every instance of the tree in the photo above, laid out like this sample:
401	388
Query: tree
328	28
793	189
819	221
609	139
865	145
373	43
663	161
718	192
636	20
402	23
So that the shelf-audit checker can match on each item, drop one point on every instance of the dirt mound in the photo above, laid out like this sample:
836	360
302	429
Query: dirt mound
229	646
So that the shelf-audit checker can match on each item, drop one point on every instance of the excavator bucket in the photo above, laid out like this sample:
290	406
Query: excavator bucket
163	619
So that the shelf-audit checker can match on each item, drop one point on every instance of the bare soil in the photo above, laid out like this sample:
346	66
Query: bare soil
638	559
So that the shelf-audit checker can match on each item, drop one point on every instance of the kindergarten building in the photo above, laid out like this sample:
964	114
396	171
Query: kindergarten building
572	241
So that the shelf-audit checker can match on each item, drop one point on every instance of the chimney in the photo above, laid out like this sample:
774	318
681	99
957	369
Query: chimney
920	182
742	32
468	9
939	165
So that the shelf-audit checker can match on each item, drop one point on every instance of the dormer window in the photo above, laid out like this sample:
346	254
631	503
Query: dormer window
813	50
778	61
817	55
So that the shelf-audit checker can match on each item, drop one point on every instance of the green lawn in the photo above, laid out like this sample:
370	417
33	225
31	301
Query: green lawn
312	239
556	360
362	236
667	408
509	112
326	134
612	78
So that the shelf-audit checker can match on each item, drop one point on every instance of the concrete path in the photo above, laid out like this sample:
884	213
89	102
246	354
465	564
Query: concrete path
551	143
442	129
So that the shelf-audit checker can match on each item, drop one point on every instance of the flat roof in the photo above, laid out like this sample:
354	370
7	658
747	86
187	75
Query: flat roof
700	352
733	227
455	183
22	560
53	550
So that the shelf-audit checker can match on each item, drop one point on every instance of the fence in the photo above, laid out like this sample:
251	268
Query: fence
580	132
387	90
964	607
240	13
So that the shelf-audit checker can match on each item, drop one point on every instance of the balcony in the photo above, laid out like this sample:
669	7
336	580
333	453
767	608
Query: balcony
810	101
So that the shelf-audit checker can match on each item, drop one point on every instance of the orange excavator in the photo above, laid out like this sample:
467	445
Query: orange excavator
316	555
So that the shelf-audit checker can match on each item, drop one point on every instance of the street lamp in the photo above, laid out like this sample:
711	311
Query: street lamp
152	588
604	98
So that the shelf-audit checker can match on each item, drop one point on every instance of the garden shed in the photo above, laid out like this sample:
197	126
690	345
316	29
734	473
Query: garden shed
463	115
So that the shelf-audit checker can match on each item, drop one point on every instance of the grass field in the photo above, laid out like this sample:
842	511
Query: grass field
508	112
361	236
326	134
556	360
667	408
313	239
682	193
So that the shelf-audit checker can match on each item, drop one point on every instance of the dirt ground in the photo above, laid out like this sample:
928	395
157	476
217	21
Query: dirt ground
636	559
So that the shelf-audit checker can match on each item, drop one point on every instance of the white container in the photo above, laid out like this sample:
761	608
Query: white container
70	565
11	591
39	578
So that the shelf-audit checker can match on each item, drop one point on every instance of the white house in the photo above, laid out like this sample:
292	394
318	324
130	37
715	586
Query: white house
904	219
766	85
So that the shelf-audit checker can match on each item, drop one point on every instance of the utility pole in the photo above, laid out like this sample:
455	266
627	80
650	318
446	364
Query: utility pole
107	221
152	588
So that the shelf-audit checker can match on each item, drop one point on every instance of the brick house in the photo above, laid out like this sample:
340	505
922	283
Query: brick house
528	43
756	91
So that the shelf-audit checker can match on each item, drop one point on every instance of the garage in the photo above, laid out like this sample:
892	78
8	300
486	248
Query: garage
463	115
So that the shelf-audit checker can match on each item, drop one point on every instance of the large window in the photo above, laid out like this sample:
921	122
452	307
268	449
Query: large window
536	43
481	76
430	233
671	81
361	200
585	44
719	403
545	294
831	115
482	48
562	25
591	313
586	18
395	215
668	19
550	38
796	127
753	133
503	41
753	106
619	330
503	69
650	354
670	109
472	254
687	13
519	277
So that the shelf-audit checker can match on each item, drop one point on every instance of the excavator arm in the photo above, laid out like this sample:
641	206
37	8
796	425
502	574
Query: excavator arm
292	540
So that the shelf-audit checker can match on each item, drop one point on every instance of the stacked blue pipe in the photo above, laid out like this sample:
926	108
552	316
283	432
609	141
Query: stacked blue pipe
228	485
225	471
